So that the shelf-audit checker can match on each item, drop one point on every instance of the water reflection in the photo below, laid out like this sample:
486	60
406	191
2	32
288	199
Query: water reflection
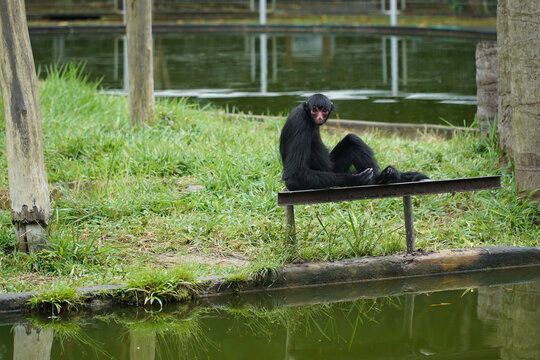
498	322
378	78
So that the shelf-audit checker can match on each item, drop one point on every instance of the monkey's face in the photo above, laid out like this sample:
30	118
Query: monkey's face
319	108
319	114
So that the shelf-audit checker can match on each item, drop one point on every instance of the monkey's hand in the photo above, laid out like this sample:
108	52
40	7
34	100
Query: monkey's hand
388	176
365	177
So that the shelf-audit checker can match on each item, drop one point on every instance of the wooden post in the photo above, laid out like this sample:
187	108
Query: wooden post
409	226
504	116
291	229
524	62
140	64
486	85
28	188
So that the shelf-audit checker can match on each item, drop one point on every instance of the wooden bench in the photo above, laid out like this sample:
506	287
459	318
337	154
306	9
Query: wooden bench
405	190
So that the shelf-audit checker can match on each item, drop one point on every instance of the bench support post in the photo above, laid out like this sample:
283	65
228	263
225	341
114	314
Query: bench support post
291	230
409	226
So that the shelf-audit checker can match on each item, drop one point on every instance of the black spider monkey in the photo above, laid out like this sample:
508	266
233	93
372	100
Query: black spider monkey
307	163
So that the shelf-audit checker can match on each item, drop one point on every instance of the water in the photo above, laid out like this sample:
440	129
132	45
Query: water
369	77
490	322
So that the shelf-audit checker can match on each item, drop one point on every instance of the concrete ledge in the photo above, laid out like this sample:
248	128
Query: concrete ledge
391	267
408	130
369	271
281	28
343	292
14	301
401	129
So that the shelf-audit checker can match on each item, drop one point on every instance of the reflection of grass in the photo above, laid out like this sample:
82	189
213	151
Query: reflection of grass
70	331
336	322
179	334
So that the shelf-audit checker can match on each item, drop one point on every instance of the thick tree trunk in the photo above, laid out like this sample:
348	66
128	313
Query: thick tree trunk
486	84
29	192
524	57
140	64
504	117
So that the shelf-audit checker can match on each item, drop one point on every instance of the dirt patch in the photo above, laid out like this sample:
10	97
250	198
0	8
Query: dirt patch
34	280
172	259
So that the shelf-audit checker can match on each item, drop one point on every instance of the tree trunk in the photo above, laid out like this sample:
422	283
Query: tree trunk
486	85
524	56
140	64
29	191
504	117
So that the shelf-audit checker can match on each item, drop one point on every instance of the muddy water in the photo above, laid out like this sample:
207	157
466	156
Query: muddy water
369	77
491	322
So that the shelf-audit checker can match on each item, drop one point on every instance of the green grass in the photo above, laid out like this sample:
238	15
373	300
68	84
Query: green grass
153	286
58	296
122	199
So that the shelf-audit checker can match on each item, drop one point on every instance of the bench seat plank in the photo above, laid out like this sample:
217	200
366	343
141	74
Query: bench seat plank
301	197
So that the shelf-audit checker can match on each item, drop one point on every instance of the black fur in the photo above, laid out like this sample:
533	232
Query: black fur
307	163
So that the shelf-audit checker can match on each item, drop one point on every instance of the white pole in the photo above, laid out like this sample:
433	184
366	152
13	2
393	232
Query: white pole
264	63
262	12
274	59
116	58
394	64
383	62
124	12
126	72
404	65
393	12
253	57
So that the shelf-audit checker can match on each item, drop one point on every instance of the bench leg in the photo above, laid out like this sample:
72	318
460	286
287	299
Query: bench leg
291	230
409	226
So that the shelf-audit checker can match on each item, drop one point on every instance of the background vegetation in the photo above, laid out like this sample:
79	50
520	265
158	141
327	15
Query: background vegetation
124	198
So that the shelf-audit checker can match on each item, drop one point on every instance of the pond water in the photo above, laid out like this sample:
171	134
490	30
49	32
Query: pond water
369	77
490	322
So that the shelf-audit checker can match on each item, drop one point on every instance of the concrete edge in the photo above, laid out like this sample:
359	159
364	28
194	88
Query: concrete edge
402	129
408	130
434	31
359	270
390	267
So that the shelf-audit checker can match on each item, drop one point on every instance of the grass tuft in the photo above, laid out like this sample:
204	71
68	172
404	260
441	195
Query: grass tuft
58	296
149	286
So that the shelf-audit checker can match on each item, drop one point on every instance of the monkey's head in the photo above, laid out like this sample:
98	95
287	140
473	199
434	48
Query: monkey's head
318	107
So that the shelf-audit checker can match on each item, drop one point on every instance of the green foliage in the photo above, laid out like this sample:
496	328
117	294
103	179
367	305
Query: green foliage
264	270
149	286
58	296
